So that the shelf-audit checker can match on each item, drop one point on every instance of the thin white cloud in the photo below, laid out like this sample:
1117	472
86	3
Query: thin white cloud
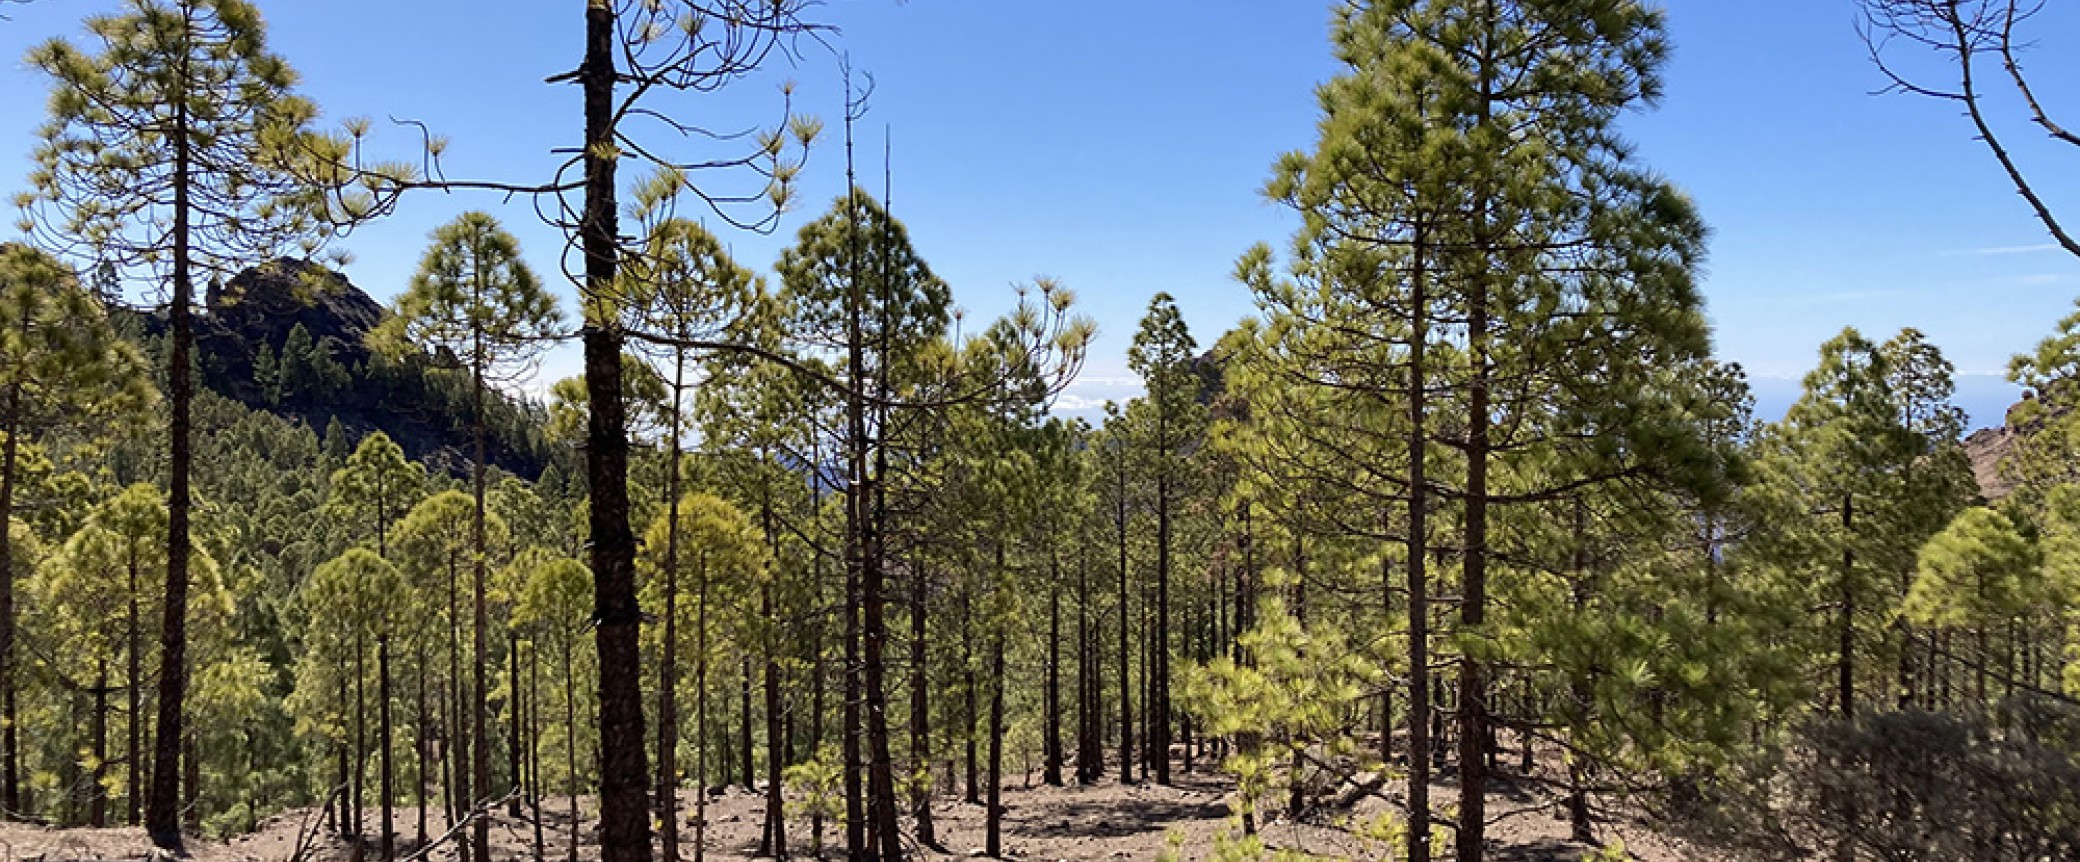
1069	402
2003	250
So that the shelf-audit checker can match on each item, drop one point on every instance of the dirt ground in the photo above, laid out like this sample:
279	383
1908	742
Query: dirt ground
1106	821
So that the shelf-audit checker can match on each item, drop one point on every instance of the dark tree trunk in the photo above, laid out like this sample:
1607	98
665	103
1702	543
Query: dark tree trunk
1418	559
1845	686
994	844
920	703
624	776
359	784
668	692
744	752
1090	742
480	630
1126	680
668	659
97	794
972	714
387	786
10	758
534	752
163	809
570	746
454	734
775	841
420	742
1159	654
700	713
1051	741
513	737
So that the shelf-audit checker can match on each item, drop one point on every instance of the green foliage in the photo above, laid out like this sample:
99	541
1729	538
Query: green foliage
1978	572
474	303
376	485
1291	696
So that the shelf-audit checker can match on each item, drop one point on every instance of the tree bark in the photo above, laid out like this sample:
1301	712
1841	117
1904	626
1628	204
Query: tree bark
1051	742
1159	655
10	758
624	776
1418	556
163	809
920	708
97	793
387	786
994	844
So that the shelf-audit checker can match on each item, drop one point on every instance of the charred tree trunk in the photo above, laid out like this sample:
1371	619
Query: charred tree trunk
624	777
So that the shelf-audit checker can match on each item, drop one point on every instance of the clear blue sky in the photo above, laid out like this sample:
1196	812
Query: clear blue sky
1119	147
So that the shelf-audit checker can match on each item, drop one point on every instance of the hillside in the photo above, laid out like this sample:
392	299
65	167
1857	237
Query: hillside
291	337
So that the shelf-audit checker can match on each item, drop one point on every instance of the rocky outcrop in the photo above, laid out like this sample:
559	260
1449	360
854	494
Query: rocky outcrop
243	344
1986	447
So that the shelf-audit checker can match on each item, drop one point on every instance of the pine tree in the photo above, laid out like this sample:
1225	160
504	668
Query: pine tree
475	300
375	487
1162	355
1449	171
60	364
167	153
555	605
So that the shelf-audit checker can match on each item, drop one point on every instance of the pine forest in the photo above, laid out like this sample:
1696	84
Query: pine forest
1464	542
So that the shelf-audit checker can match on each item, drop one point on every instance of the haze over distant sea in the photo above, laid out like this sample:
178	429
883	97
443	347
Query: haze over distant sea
1984	397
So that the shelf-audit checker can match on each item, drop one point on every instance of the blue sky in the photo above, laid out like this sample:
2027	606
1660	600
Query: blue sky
1119	147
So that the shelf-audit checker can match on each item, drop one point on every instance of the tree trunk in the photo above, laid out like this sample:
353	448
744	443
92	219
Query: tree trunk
1418	556
668	688
534	750
744	723
163	809
387	786
624	777
667	800
775	843
972	714
10	758
134	679
97	793
480	626
570	744
1051	742
994	845
1845	690
1126	680
360	772
920	712
1159	655
700	713
513	736
419	742
1089	712
454	734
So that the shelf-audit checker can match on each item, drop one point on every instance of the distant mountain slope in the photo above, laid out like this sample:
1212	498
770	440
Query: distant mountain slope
291	337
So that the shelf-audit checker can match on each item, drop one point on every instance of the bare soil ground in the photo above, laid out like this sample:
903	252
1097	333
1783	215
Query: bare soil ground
1107	821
